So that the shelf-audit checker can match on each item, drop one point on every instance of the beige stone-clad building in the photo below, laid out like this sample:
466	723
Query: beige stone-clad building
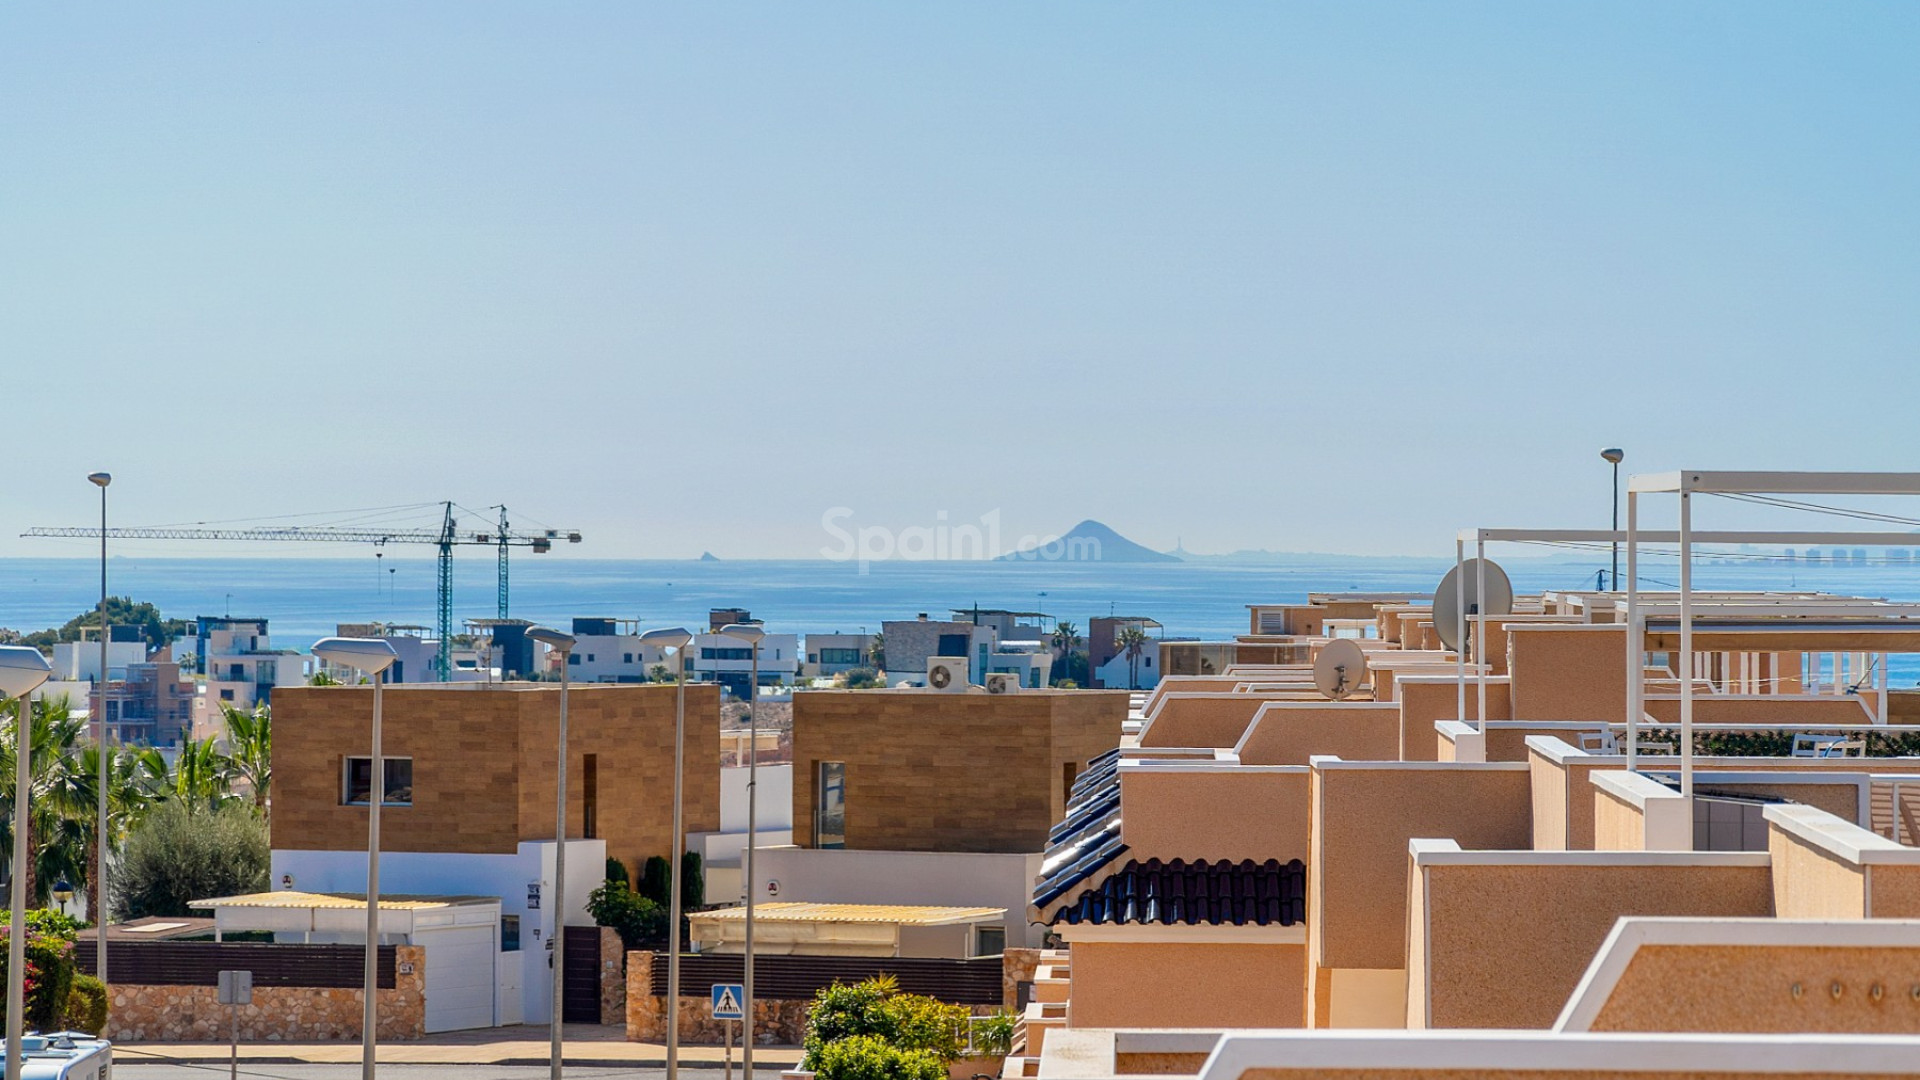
478	765
934	798
469	811
920	770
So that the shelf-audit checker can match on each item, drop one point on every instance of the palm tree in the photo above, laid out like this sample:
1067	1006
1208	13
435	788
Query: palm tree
1066	638
250	752
877	652
60	825
1133	642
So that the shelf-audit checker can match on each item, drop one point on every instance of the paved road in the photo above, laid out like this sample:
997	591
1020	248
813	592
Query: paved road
134	1068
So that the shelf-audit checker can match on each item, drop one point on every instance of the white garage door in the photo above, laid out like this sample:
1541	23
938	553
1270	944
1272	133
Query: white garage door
460	977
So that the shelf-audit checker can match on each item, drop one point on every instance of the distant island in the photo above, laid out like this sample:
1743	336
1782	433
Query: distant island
1089	541
708	556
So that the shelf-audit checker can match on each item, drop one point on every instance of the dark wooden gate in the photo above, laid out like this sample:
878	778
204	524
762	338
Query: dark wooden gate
580	999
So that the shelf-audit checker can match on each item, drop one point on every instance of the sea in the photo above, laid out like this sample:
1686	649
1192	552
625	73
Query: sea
305	598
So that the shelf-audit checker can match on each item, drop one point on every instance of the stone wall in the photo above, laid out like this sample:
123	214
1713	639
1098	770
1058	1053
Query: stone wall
1016	966
613	977
776	1022
278	1013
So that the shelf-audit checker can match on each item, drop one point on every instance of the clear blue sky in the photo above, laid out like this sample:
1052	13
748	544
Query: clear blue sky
1329	277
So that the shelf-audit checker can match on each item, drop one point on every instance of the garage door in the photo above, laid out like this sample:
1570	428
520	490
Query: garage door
460	976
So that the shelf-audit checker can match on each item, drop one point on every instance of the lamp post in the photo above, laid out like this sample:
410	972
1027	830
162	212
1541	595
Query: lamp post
373	656
752	634
675	638
101	480
1613	456
62	892
556	942
22	670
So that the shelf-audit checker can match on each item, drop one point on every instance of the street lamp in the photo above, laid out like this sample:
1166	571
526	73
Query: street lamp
556	942
63	892
675	638
22	670
752	634
1614	455
373	656
101	480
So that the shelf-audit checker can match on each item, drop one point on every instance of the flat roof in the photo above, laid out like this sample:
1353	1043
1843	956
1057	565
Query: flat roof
289	899
902	914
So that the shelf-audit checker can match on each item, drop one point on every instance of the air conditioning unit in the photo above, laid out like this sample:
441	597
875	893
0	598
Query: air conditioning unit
1003	682
948	673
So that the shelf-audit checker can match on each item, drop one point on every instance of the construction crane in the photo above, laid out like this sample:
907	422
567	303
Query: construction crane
446	537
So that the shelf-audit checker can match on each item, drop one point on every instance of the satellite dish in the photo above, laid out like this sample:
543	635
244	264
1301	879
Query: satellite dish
1338	668
1464	583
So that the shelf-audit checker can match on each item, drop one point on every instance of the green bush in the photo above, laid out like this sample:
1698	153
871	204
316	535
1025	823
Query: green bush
869	1057
53	924
877	1009
49	977
176	855
993	1035
617	871
656	882
693	882
86	1005
635	918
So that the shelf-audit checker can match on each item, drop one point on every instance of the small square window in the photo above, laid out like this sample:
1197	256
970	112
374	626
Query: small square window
357	775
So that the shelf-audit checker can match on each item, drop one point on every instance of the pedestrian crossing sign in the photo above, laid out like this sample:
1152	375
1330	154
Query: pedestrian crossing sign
727	998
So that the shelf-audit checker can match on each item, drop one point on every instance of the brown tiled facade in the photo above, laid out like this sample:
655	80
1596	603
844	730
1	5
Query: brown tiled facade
483	766
931	771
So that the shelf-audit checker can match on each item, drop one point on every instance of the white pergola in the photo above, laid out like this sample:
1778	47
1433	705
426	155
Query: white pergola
1685	484
1798	605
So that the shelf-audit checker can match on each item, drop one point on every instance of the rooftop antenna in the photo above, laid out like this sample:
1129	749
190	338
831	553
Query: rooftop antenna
1458	600
1338	668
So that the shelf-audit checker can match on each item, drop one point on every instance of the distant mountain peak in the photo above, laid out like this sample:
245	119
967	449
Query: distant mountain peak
1090	541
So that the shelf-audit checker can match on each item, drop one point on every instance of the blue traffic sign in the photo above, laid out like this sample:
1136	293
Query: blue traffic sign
728	999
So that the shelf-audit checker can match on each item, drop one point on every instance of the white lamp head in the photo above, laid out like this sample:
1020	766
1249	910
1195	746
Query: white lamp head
675	637
551	638
100	479
22	670
751	633
371	655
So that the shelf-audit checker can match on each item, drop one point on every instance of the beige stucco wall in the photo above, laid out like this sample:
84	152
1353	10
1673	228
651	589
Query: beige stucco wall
1214	814
1810	882
1896	891
1767	709
1506	944
1357	877
1618	825
1549	788
1290	733
1198	720
1565	672
1422	702
1734	988
1166	984
1563	801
